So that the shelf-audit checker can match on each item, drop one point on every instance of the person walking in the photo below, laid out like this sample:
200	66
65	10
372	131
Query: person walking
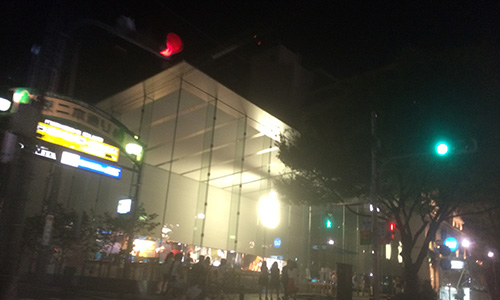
274	282
198	277
166	269
285	279
263	280
293	279
177	281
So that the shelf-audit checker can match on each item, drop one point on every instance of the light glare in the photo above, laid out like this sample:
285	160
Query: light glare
442	149
5	104
269	210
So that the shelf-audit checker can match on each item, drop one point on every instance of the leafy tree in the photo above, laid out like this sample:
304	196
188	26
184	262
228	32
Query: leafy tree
421	97
85	233
69	231
484	229
116	227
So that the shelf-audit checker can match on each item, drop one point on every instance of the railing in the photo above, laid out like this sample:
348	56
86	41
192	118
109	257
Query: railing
138	271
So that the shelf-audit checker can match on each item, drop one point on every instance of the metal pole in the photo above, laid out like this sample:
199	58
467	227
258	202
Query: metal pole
309	238
133	216
343	233
373	199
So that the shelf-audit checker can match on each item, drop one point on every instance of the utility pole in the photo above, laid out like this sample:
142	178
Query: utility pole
373	199
16	156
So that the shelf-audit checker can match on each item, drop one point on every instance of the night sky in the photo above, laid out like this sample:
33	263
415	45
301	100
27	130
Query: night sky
342	38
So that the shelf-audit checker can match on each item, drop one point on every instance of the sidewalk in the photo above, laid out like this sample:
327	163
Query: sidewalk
31	292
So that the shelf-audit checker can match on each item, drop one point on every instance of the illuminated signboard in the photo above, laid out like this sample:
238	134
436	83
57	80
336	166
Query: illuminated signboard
451	243
90	117
69	137
80	162
45	152
457	264
124	206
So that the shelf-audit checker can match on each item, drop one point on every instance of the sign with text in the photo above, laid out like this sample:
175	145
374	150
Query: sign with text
81	162
92	118
76	139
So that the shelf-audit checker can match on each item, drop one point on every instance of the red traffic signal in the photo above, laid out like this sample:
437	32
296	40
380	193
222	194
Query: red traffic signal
174	45
392	228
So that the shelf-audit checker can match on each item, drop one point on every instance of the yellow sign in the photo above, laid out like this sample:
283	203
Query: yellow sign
69	137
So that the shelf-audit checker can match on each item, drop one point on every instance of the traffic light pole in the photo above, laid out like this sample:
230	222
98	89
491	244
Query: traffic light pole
373	199
17	159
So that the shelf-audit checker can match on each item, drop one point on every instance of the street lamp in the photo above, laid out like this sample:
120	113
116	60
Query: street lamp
135	153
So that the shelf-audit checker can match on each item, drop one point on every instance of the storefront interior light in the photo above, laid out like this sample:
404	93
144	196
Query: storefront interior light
268	150
166	230
269	210
144	248
400	250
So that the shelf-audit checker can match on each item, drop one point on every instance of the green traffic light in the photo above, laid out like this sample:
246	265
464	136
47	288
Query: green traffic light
22	96
328	223
442	149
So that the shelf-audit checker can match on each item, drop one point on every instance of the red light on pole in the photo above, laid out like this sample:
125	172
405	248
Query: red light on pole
392	227
174	45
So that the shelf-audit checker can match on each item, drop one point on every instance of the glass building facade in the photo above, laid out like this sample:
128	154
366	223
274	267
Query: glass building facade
209	163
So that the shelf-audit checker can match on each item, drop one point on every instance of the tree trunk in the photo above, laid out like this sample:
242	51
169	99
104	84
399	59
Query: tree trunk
492	280
412	284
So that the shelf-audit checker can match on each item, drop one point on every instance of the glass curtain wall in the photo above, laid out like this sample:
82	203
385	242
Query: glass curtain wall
210	159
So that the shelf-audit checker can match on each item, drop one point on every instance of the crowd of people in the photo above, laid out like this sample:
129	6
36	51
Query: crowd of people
272	282
202	280
193	282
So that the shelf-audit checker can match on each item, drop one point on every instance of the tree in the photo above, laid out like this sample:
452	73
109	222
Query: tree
88	234
484	229
424	95
69	230
113	228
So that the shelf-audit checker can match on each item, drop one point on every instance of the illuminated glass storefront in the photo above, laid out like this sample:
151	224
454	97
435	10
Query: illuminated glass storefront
209	163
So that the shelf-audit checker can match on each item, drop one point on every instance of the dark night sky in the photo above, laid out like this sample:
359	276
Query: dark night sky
343	38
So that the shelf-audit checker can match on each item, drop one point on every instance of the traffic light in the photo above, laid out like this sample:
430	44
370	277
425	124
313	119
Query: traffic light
392	229
388	232
328	222
444	261
442	148
174	45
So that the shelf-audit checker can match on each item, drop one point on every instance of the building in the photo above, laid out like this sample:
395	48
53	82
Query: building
210	158
209	162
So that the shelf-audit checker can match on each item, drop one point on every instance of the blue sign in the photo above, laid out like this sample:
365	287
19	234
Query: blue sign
451	243
80	162
277	242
